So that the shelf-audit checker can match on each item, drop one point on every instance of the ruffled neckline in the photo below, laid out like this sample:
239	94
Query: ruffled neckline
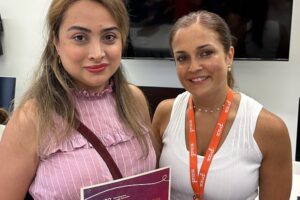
85	93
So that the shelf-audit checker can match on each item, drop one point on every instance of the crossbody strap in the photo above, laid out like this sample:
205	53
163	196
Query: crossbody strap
100	148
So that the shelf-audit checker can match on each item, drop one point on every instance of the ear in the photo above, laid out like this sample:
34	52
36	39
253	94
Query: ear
56	44
230	55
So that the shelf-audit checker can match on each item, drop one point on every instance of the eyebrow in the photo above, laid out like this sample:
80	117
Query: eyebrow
197	48
203	46
80	28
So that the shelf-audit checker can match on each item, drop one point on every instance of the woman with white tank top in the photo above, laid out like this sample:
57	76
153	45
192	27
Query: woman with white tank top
220	144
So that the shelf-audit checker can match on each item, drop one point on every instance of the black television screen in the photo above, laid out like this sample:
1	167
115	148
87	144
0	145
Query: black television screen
261	28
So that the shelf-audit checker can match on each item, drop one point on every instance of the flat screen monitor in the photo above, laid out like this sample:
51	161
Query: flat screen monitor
261	28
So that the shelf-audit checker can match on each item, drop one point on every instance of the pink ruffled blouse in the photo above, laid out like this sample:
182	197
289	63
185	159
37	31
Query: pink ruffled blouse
66	167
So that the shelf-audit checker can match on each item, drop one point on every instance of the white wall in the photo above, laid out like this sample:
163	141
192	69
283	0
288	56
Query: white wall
22	39
275	84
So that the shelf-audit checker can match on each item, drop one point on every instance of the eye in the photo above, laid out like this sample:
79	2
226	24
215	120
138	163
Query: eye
206	53
110	38
181	58
80	38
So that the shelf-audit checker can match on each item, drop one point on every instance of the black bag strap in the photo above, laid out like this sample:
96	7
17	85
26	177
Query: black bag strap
100	148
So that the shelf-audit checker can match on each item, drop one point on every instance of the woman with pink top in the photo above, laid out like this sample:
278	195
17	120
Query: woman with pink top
79	79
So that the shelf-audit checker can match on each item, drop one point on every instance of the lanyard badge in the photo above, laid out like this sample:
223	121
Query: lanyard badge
198	180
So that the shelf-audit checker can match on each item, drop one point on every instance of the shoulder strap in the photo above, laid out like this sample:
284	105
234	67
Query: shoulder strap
100	148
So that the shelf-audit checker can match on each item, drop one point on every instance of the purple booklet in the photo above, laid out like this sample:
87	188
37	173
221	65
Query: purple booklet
152	185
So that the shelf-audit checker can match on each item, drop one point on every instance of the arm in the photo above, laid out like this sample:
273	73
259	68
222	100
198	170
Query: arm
18	155
160	121
275	175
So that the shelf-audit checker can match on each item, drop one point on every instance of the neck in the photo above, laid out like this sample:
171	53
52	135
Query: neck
210	102
97	88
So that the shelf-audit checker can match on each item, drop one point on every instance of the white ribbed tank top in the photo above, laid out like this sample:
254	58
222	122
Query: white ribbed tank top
234	171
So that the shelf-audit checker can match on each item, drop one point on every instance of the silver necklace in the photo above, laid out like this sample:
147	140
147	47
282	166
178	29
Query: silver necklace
209	110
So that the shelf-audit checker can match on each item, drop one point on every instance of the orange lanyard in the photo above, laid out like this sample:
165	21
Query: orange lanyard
198	181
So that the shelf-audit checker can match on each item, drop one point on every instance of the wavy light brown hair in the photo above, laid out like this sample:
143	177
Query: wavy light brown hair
211	21
52	86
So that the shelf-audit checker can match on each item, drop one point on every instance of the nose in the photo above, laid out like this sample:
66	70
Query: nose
96	52
195	65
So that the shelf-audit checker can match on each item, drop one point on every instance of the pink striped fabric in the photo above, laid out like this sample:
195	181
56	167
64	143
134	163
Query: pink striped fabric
67	167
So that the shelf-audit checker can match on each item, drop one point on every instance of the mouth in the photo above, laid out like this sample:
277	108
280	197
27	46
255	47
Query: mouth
96	68
199	79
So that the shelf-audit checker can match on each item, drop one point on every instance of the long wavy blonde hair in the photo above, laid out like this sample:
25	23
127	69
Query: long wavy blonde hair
51	87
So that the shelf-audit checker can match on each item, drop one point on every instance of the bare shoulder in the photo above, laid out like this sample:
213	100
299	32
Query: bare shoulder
269	124
138	94
26	114
135	90
162	116
165	107
141	101
21	128
271	132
